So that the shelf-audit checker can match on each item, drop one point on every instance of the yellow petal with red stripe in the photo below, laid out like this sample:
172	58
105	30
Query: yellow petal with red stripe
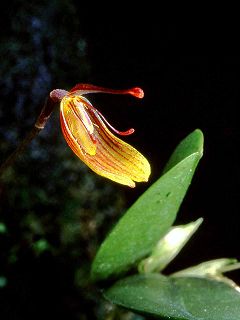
77	126
108	156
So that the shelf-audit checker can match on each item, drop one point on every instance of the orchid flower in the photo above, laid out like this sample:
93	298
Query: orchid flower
87	133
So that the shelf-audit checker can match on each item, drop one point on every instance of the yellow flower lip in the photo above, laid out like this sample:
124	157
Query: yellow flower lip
86	131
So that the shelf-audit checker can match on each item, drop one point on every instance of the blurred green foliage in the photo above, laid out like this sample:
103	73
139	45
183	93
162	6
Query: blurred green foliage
54	212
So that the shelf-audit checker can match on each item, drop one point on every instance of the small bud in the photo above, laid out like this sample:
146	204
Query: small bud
212	269
168	247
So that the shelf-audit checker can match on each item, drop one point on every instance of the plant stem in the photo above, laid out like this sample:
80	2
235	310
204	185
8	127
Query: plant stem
22	146
38	126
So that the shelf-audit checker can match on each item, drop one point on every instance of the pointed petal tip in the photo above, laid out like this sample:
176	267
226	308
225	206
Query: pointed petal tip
146	178
132	185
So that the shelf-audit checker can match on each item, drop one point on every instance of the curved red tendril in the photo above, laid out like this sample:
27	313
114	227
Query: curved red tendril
85	88
121	133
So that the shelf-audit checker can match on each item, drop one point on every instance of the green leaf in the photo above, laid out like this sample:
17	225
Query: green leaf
180	298
186	147
151	215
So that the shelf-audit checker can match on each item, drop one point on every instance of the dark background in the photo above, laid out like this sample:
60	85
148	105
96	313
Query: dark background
54	211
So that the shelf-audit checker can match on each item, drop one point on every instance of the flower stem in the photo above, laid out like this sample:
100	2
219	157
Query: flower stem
22	146
38	126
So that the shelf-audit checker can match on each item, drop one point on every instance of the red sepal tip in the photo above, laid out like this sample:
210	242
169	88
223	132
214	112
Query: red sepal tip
136	92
